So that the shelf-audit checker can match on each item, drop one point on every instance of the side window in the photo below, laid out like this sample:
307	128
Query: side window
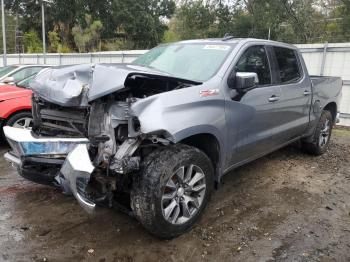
25	72
254	60
288	64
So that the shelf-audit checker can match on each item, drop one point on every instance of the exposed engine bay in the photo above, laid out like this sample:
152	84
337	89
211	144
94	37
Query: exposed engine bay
116	143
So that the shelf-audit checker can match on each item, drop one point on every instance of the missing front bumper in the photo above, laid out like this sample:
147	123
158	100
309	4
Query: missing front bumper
74	173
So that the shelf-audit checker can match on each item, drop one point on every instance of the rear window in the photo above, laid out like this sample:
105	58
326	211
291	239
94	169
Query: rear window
288	64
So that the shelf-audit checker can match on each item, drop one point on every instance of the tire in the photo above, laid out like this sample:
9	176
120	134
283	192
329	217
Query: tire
318	143
18	118
152	188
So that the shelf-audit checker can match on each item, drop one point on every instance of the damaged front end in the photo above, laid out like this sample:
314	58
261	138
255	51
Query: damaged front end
89	143
52	153
94	166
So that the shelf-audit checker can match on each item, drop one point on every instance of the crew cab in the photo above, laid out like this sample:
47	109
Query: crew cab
156	135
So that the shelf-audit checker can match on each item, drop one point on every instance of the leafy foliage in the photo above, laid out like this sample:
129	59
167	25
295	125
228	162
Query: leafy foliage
140	21
55	43
294	21
86	25
32	42
87	39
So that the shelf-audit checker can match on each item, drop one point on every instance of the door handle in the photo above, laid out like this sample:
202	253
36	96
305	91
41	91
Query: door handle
274	98
306	93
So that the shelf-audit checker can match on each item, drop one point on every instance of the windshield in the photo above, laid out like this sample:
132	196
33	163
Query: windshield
198	62
6	69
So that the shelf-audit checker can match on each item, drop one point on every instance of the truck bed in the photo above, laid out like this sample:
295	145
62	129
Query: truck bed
326	87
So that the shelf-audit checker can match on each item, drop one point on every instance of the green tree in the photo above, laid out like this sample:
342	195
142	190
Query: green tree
88	39
55	43
29	12
193	19
32	42
10	34
344	15
141	21
170	36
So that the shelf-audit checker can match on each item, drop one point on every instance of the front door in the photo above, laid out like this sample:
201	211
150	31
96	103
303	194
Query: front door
251	117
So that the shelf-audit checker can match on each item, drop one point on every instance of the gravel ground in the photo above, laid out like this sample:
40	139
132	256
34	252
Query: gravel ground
287	206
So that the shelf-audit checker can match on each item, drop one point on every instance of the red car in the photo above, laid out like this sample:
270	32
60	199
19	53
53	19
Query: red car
16	105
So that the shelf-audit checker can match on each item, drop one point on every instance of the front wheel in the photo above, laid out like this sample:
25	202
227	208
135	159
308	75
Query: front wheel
319	141
172	190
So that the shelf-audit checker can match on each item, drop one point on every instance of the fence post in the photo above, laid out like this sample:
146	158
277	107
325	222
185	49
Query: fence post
324	58
59	59
90	58
122	57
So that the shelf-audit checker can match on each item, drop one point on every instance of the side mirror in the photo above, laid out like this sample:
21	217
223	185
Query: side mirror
244	81
8	80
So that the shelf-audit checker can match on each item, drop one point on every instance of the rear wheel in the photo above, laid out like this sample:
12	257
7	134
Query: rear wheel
319	141
21	120
172	190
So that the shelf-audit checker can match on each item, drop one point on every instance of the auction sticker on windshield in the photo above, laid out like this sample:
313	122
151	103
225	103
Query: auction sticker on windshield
217	47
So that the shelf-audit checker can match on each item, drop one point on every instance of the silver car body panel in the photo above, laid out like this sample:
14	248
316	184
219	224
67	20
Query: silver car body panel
77	170
79	84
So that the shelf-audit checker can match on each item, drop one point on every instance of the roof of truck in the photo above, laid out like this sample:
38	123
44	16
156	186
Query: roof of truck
231	40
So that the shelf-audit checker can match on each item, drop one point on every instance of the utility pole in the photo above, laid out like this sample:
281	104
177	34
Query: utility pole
43	28
3	33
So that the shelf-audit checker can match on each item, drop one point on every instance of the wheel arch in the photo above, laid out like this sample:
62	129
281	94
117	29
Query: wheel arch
209	144
332	107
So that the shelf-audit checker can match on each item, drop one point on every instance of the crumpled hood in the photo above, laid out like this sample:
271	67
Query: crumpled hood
79	84
10	92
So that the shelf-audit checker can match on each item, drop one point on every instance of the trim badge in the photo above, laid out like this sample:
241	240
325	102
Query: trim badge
209	92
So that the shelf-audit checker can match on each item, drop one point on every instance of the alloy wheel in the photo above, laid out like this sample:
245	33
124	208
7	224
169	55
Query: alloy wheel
183	194
325	133
25	123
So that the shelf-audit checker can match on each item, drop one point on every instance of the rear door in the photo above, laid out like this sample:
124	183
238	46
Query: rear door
251	115
293	106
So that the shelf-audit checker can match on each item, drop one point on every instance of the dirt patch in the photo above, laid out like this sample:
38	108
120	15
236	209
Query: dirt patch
287	206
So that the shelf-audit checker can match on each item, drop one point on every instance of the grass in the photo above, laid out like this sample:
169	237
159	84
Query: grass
341	131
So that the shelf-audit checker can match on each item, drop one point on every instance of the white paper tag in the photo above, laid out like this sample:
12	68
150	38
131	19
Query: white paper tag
217	47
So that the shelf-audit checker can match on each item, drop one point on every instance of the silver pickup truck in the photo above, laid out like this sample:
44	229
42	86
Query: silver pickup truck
155	136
